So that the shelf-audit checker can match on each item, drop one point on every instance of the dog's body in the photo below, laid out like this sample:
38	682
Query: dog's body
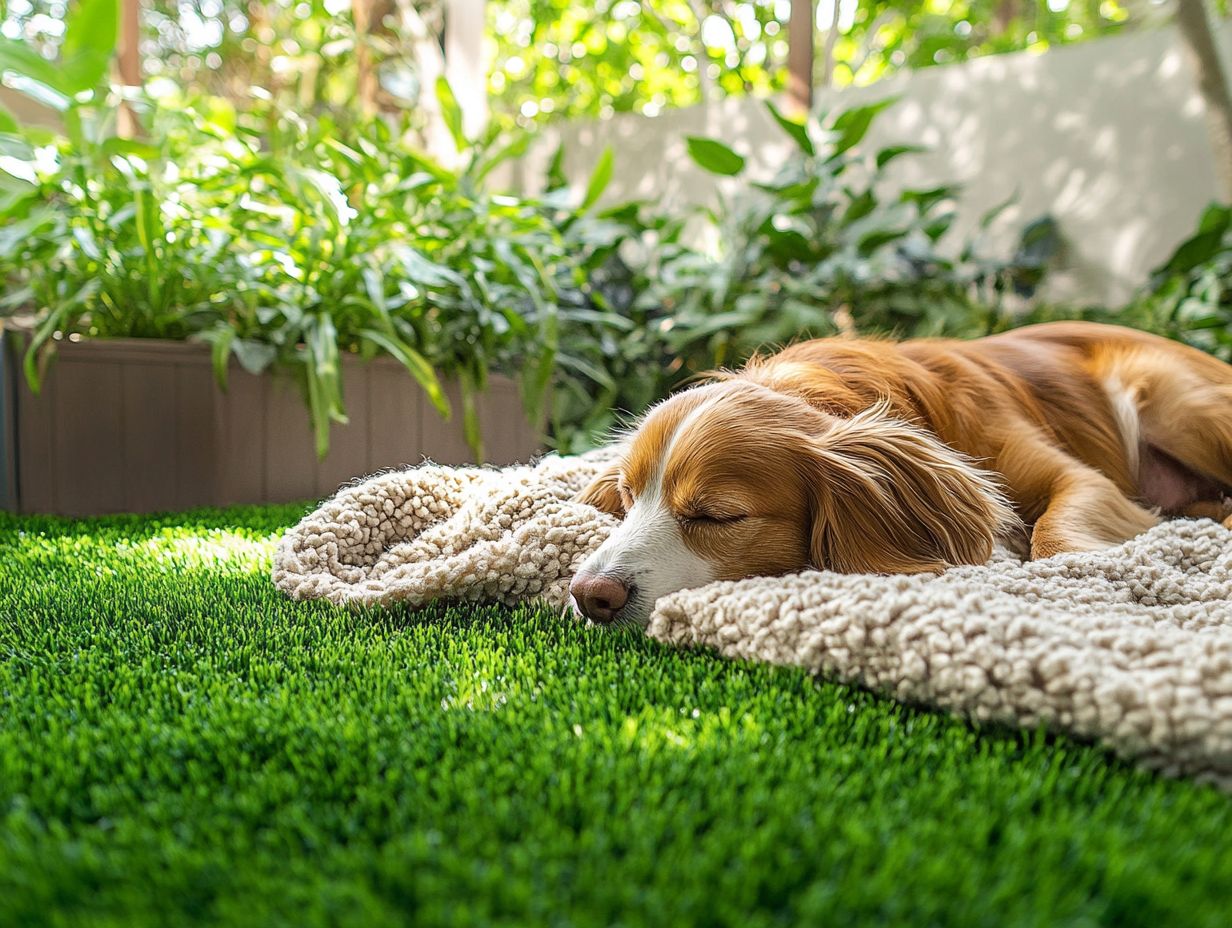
866	455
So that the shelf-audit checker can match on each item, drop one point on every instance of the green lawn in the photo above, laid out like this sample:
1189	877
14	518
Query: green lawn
179	744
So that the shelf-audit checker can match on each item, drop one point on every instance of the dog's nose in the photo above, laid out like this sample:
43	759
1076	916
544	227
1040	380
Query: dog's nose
599	596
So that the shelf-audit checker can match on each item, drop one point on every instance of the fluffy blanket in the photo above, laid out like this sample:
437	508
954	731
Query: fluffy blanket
1131	647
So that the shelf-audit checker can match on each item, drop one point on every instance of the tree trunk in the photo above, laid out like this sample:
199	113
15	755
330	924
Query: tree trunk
128	60
1195	28
800	39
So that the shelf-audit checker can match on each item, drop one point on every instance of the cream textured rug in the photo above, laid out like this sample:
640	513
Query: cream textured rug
1131	647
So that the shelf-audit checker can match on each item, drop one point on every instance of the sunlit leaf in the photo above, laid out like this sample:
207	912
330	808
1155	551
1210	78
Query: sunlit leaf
599	179
451	112
894	152
415	363
852	125
714	156
90	31
797	130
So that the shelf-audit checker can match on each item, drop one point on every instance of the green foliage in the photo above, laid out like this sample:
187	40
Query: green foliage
286	242
555	59
276	241
818	249
877	38
1188	297
181	744
821	248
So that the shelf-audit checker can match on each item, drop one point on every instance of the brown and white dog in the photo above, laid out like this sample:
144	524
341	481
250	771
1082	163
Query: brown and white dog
866	455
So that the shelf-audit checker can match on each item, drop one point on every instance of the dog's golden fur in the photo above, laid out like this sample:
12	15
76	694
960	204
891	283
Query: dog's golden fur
871	455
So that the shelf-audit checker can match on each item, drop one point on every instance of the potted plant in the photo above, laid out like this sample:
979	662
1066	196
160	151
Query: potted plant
173	298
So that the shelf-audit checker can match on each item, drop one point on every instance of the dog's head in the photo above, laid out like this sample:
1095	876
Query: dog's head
733	479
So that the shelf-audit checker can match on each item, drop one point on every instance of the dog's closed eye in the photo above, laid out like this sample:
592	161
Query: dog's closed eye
710	518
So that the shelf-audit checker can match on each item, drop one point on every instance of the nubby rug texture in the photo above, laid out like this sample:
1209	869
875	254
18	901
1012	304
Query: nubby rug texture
1130	647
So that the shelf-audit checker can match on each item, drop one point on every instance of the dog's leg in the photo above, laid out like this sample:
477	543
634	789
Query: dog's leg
1218	512
1086	512
1074	507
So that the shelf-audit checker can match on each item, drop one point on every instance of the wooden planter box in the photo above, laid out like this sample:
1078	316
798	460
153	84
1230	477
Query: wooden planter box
137	425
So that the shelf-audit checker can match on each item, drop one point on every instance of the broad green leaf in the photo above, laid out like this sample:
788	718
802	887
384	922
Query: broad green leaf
323	369
1215	217
90	27
25	62
317	409
254	356
852	125
797	130
57	318
599	179
7	122
860	206
118	146
88	244
337	209
713	156
879	239
1194	252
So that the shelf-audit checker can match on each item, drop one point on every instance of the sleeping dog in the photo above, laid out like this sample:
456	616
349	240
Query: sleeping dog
868	455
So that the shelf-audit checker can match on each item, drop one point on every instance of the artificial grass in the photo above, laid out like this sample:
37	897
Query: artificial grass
179	744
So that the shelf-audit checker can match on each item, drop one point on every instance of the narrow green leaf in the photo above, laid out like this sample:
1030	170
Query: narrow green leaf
220	340
40	93
415	363
886	155
515	149
797	130
451	112
599	179
556	179
470	415
992	214
586	369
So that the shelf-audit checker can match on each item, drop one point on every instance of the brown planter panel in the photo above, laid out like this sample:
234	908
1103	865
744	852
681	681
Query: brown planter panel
139	426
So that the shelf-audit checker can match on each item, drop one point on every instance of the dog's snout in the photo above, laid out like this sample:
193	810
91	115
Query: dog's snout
599	596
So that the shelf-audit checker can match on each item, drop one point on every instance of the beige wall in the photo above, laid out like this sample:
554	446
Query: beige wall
1108	136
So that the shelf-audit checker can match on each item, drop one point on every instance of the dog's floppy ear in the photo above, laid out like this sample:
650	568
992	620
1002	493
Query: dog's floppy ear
889	497
603	493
